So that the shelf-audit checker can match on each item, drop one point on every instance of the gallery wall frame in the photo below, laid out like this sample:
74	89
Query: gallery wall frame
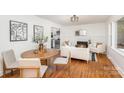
81	32
38	31
18	31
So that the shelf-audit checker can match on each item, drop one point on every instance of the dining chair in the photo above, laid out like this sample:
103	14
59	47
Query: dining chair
25	65
9	61
32	68
64	60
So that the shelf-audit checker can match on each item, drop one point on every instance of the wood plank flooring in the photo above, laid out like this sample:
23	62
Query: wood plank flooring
103	68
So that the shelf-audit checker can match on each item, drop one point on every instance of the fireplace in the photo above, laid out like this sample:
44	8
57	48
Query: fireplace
83	44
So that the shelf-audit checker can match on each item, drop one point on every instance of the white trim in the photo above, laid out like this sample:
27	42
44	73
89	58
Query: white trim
120	52
120	71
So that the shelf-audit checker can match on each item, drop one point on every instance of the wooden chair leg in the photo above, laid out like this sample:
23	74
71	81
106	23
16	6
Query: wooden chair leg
56	68
87	61
12	72
45	75
69	70
21	73
38	73
4	72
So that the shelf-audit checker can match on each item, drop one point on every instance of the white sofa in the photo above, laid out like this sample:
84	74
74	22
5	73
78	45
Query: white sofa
76	52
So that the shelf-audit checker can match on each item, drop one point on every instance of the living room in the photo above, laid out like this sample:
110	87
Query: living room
61	46
81	31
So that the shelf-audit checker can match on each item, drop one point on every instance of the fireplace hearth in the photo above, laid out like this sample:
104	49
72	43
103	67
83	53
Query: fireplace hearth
83	44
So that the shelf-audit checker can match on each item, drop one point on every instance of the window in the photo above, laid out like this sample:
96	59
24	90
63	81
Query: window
120	33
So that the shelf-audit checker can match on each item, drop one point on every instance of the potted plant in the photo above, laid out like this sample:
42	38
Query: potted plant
40	40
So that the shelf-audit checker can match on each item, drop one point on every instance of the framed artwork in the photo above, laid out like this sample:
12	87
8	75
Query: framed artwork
18	31
38	32
77	33
81	32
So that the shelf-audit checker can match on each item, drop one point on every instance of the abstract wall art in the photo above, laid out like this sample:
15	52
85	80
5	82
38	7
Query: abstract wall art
38	32
18	31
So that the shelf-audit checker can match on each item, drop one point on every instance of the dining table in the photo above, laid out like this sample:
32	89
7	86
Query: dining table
46	56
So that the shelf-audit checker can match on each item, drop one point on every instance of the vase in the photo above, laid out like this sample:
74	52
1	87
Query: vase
40	47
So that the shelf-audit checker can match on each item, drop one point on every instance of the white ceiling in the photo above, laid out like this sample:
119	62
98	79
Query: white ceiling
83	19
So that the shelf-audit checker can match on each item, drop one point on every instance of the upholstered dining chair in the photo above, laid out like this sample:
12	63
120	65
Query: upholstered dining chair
32	68
29	67
64	60
9	61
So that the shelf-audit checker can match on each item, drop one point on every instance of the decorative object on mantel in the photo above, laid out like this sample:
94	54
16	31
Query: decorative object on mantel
89	41
74	18
18	31
81	32
77	33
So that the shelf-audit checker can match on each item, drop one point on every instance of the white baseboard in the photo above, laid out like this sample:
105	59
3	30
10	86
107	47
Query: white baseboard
120	71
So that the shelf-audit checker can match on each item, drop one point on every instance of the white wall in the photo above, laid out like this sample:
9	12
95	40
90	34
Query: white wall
115	55
96	32
21	46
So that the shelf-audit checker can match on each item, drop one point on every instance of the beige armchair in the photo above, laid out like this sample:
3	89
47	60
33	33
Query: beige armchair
10	62
98	48
64	60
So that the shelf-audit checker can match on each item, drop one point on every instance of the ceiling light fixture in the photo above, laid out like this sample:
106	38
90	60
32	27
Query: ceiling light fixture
74	18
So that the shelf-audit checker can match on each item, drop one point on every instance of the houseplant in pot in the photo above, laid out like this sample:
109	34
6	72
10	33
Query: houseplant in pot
40	40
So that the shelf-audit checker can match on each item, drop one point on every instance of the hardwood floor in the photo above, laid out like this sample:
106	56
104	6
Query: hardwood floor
80	69
103	68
